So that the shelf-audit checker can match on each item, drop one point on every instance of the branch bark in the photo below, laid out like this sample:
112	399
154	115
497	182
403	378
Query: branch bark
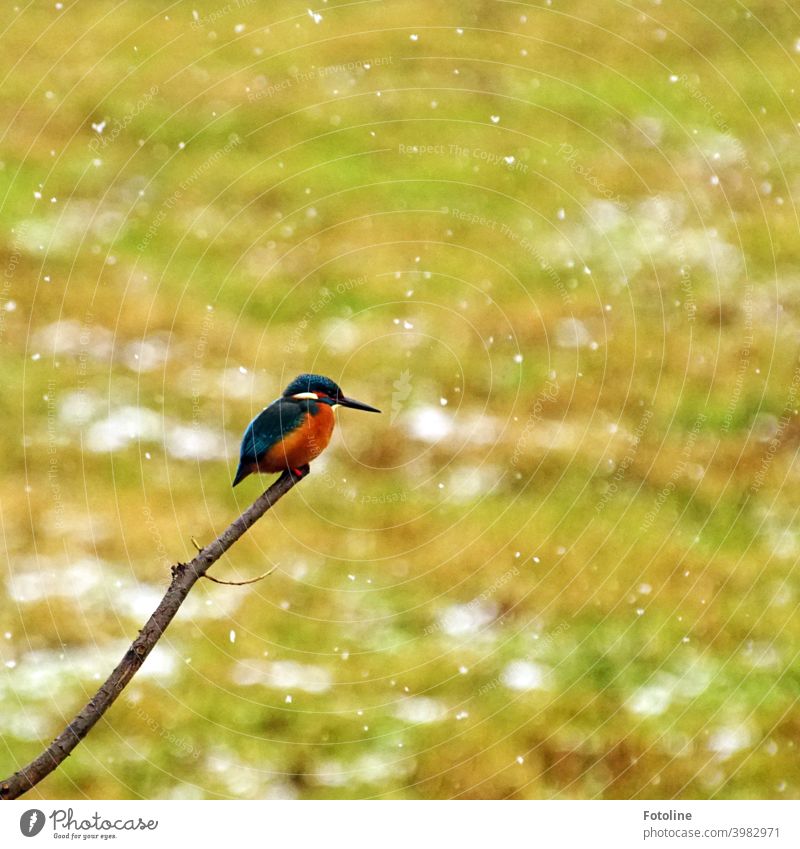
184	577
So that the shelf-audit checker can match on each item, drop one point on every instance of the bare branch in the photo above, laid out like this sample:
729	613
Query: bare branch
184	576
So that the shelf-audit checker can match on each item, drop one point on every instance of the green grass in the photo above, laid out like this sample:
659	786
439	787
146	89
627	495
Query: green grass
586	593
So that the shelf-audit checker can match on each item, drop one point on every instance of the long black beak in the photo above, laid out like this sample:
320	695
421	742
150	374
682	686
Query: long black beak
357	405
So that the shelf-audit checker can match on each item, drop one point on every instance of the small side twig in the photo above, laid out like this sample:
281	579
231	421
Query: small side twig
184	577
240	583
199	547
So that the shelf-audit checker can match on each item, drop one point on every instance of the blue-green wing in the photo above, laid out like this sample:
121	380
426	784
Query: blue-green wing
268	427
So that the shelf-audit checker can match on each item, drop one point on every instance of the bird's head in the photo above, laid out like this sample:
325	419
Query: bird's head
316	387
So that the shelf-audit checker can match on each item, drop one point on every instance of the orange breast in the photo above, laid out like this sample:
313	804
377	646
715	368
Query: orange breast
303	444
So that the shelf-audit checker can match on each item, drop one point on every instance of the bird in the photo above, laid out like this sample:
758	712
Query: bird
294	429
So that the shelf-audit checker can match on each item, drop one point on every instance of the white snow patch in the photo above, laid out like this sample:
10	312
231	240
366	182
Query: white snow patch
235	383
429	424
467	483
55	580
572	333
146	354
655	697
128	424
460	619
195	443
43	675
78	408
371	768
340	335
71	337
524	675
651	700
728	740
420	710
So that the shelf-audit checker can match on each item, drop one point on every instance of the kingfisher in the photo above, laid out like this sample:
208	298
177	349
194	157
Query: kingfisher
294	429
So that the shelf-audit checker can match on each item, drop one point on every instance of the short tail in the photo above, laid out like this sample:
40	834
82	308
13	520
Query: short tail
241	473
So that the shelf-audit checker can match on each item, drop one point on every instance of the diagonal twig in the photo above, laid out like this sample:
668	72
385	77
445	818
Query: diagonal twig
184	577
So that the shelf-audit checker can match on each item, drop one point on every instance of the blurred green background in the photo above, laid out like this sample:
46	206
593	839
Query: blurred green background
556	242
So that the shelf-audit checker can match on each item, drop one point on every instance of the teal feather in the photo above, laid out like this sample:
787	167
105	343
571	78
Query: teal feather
267	429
